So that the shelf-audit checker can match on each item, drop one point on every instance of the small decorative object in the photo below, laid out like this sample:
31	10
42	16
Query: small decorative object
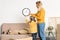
11	39
19	33
50	28
8	31
3	32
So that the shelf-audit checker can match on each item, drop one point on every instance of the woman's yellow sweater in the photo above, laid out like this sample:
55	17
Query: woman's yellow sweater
40	15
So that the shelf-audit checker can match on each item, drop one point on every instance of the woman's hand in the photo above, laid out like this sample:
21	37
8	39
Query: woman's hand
32	15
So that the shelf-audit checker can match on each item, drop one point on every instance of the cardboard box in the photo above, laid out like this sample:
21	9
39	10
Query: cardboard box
58	38
58	32
28	38
16	37
58	28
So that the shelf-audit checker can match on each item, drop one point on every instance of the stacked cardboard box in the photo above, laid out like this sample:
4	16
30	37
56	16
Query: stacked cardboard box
58	32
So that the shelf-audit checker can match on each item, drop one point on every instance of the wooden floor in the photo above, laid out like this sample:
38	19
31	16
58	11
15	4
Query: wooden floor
38	39
52	38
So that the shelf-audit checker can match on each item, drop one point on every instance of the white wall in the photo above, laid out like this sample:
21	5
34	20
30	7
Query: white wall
10	10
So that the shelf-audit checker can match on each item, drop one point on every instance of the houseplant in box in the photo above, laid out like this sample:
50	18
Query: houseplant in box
50	28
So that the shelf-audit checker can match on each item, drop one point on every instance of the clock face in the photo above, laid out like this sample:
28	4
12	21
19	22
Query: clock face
26	11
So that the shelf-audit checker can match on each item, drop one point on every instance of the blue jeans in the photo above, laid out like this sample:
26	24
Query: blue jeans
34	35
41	33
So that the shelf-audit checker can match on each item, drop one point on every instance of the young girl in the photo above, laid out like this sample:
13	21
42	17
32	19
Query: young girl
33	27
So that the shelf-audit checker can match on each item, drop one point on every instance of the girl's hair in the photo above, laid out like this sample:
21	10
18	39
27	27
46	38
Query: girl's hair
32	19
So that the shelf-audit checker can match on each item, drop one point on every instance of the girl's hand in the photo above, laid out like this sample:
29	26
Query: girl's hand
26	20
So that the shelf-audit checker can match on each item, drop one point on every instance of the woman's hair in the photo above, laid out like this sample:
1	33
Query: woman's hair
32	18
38	2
